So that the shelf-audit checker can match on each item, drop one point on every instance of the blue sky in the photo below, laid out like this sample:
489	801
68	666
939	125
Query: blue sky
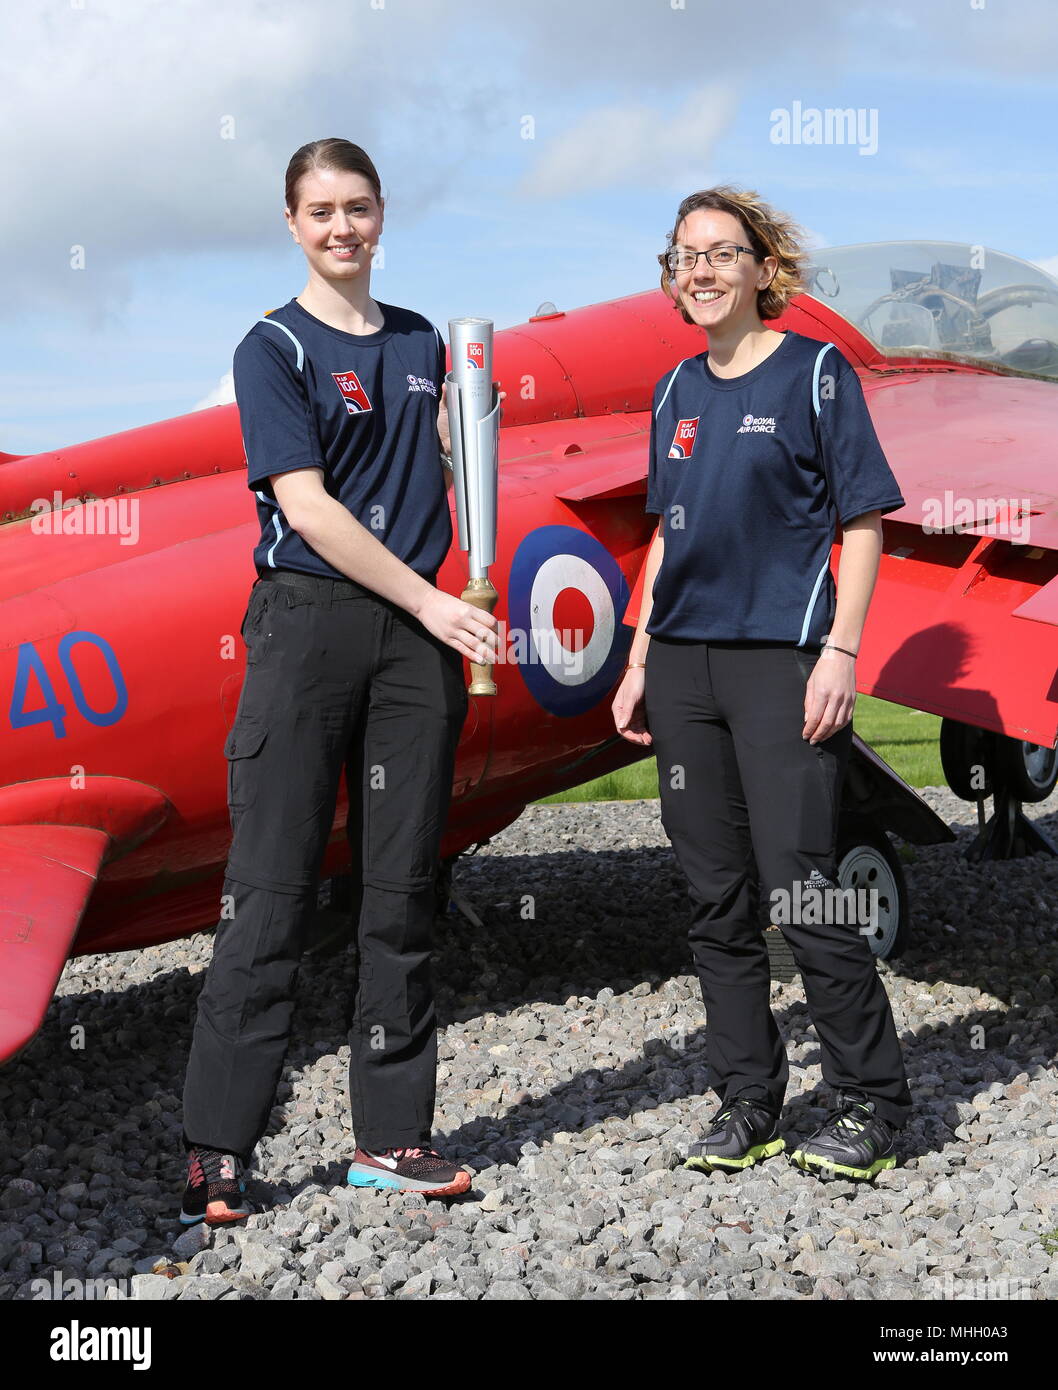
112	142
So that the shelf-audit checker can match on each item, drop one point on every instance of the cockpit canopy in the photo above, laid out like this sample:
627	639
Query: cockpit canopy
943	298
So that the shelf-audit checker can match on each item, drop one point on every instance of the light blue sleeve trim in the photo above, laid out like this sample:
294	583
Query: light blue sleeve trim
276	324
270	501
815	375
668	388
812	601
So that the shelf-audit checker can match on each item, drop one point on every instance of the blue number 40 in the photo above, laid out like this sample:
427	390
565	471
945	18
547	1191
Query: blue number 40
52	712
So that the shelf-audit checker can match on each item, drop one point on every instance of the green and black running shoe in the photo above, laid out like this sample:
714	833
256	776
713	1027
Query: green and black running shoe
742	1132
853	1142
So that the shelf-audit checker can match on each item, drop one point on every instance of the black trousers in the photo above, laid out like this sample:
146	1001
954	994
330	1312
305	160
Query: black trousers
749	804
336	677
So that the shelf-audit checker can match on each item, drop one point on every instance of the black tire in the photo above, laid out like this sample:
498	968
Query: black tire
867	859
1029	770
781	961
964	748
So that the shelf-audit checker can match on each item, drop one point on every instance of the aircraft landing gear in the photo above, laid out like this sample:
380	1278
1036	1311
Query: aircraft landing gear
868	862
978	763
1007	833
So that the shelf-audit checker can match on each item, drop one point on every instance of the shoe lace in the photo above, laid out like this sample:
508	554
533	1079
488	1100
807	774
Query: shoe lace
430	1158
217	1167
719	1120
843	1118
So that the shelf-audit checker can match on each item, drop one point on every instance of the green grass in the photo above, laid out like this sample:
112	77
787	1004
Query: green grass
908	739
905	738
1050	1242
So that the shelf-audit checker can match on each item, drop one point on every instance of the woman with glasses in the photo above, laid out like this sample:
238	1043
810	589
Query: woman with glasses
354	662
742	674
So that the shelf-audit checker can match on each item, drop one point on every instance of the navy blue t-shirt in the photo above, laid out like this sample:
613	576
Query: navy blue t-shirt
361	407
749	475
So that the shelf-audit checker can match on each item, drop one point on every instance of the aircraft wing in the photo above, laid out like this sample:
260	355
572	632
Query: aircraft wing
47	874
964	619
972	555
55	841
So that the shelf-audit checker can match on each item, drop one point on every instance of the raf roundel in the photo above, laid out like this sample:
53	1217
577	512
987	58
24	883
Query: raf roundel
567	599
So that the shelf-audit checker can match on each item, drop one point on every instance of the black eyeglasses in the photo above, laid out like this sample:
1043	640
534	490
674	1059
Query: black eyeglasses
682	258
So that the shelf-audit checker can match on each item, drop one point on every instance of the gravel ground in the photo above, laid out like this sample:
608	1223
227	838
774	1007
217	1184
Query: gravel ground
572	1075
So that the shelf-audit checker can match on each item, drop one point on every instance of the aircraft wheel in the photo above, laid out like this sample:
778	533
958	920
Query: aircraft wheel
967	755
867	860
1029	769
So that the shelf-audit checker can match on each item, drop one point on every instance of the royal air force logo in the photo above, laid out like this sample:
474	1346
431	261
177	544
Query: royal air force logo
683	440
421	383
757	424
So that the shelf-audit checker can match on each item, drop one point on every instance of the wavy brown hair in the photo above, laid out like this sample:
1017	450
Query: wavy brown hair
768	231
332	153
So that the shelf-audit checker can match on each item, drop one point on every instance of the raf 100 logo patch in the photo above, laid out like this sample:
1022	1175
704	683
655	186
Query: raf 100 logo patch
683	440
357	401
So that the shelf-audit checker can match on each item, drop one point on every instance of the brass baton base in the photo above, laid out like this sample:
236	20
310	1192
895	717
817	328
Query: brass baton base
480	594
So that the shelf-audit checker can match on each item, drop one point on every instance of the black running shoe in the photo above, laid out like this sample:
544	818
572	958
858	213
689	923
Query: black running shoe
215	1190
408	1170
853	1142
741	1133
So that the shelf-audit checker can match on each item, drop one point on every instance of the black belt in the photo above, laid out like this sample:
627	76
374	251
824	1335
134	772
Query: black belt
320	584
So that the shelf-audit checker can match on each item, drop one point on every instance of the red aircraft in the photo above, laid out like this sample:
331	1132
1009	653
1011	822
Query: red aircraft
127	564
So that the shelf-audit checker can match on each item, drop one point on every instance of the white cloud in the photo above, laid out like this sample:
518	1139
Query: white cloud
618	144
1013	41
653	44
111	137
222	394
115	118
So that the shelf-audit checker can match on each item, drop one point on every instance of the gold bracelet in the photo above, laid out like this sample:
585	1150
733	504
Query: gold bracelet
636	666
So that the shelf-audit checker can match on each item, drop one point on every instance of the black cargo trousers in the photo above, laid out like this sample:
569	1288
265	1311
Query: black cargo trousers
336	677
749	804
